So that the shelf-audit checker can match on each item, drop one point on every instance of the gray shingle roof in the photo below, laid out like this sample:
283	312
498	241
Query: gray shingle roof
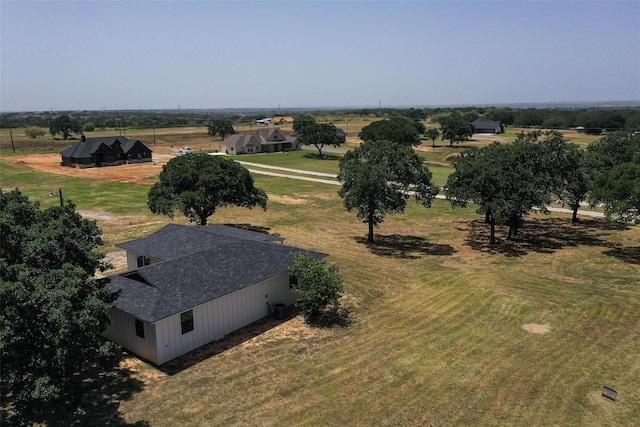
86	148
200	263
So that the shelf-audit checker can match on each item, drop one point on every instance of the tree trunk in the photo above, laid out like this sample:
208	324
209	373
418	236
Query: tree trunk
370	237
492	239
319	152
487	217
433	143
203	219
574	218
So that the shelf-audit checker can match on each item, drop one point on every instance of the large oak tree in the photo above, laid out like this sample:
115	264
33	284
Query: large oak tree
614	164
198	184
52	307
378	178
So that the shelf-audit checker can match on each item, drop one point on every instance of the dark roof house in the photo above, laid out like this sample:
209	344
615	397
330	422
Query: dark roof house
487	126
219	278
105	151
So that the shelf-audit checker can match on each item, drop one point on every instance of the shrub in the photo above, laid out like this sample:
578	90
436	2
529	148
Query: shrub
89	127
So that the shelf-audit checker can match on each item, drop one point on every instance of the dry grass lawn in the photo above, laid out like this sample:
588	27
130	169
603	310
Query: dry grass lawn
446	329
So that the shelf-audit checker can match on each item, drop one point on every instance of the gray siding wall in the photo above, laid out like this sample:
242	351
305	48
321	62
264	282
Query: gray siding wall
215	319
122	330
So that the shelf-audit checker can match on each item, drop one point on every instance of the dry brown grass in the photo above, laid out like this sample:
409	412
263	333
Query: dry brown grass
437	336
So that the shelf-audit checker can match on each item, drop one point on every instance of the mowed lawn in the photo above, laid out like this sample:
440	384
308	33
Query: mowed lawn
438	315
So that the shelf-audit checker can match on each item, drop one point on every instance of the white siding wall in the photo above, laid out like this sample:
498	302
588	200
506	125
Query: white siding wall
132	260
122	330
215	319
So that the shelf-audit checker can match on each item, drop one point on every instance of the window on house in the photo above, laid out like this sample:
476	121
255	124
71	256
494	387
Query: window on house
186	321
139	328
293	281
143	260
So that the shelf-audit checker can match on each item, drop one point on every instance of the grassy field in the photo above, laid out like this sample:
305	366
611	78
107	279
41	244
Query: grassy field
438	320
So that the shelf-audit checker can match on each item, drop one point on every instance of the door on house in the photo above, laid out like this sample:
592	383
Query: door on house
99	158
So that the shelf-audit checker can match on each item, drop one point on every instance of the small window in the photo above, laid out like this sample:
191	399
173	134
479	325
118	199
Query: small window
186	321
143	260
139	328
293	281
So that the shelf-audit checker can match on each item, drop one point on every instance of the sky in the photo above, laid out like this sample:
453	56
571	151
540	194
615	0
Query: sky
115	55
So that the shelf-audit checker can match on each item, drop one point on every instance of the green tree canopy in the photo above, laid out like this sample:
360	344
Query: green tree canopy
64	125
198	184
377	178
301	122
318	285
52	306
506	181
398	130
432	134
221	127
320	135
455	129
614	164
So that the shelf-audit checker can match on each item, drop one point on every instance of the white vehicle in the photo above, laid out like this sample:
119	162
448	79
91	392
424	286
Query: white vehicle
185	150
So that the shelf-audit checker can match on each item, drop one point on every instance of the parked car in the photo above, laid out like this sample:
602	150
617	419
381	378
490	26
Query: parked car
185	150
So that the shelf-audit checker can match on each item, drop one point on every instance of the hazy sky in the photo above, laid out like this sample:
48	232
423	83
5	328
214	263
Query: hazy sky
206	54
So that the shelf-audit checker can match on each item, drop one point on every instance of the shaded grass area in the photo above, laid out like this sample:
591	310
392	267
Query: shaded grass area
436	336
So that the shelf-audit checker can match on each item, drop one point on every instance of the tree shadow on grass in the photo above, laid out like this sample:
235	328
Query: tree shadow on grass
404	247
332	316
325	156
542	235
630	255
102	395
250	227
230	341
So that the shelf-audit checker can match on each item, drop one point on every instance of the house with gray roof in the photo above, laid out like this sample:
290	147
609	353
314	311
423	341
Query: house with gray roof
105	151
186	286
487	126
271	140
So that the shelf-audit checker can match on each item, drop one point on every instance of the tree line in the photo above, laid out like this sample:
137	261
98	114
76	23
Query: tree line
610	118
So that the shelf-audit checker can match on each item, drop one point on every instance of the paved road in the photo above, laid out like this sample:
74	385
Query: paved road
331	182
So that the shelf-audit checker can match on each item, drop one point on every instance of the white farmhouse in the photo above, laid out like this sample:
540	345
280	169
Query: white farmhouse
189	285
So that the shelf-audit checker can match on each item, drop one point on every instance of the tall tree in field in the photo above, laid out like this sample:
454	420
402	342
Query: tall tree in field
221	127
377	177
432	134
566	169
198	184
321	135
506	181
614	162
398	130
52	307
64	125
455	129
301	122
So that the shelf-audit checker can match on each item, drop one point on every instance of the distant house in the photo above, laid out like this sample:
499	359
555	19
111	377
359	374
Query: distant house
487	126
106	151
282	120
262	141
189	285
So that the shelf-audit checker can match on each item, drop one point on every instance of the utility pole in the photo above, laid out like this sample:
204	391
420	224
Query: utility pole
347	127
11	135
154	132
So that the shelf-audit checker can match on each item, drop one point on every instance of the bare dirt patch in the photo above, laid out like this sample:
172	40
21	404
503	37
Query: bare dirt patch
139	173
537	328
286	200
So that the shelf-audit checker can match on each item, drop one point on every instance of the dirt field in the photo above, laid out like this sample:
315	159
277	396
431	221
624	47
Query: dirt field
139	173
